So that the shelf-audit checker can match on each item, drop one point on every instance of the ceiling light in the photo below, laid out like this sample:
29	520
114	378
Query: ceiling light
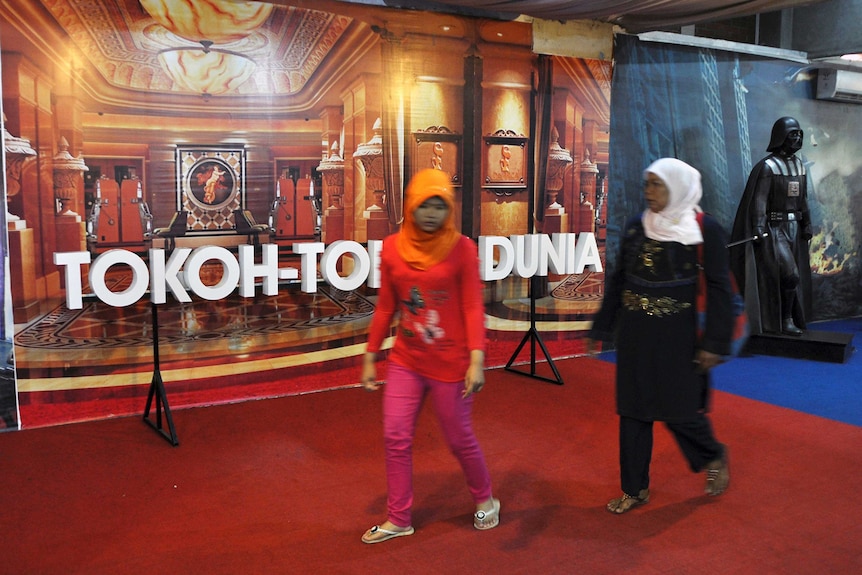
218	21
206	71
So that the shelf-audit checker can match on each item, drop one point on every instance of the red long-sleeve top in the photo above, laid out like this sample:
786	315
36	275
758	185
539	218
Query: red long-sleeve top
441	315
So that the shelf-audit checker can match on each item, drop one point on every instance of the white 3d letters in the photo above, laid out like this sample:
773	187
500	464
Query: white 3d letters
131	294
537	254
228	281
505	260
73	261
329	261
587	254
525	256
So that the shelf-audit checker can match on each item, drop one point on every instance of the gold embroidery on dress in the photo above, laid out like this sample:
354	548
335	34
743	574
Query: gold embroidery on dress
649	252
652	305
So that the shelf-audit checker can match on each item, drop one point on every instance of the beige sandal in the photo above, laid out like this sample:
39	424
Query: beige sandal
622	504
487	519
378	534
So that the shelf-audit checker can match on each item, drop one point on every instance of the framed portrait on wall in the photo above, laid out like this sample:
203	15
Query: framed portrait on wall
210	185
440	148
504	164
211	182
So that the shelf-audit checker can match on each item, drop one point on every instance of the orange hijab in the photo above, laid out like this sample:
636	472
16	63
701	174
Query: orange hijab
418	248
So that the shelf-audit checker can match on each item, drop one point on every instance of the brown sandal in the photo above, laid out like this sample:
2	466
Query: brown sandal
718	475
622	504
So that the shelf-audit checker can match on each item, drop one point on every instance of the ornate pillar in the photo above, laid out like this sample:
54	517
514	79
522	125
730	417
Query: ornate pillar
332	169
22	254
68	174
17	151
68	180
589	171
559	161
601	209
370	155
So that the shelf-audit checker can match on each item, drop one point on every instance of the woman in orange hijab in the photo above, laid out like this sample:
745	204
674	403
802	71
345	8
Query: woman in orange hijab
429	275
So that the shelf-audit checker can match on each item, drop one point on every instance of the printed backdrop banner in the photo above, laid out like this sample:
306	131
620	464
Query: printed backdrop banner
715	109
293	126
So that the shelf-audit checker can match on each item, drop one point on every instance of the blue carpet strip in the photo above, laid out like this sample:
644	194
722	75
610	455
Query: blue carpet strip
829	390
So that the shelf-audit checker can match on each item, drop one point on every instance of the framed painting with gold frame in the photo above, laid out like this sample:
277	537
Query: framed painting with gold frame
504	163
440	148
210	185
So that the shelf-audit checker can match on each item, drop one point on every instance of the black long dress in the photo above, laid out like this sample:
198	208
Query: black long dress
649	309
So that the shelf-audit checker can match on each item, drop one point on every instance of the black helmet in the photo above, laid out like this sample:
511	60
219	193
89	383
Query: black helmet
780	130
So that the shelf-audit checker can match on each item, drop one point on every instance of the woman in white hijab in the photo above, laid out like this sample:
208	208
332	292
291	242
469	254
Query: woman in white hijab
649	312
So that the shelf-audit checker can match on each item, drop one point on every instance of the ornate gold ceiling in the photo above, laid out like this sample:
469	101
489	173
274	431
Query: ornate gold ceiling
124	42
253	58
287	59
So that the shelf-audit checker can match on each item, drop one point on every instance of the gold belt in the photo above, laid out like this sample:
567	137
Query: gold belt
651	305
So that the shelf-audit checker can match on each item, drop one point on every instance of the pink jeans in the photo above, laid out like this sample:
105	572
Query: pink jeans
403	396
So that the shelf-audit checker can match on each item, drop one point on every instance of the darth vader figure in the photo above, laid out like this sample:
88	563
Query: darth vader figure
771	232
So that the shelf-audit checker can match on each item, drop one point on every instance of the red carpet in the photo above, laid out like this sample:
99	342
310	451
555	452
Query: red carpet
288	485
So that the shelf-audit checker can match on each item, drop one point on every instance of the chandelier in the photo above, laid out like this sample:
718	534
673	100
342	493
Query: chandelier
204	69
218	21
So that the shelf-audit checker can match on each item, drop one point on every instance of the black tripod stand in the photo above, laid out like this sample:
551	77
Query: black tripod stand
534	338
157	391
541	110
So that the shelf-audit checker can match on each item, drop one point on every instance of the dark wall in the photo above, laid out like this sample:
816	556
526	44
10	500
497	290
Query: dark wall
828	28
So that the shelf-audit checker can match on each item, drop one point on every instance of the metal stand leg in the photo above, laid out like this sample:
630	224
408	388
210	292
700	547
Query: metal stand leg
540	117
157	391
534	337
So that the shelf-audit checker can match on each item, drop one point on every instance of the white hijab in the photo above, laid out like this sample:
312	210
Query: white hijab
677	222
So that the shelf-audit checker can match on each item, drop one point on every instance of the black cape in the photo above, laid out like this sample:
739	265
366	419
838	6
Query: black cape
753	265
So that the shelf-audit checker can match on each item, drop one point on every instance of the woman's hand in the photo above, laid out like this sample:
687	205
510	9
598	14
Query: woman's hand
474	379
706	360
369	373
